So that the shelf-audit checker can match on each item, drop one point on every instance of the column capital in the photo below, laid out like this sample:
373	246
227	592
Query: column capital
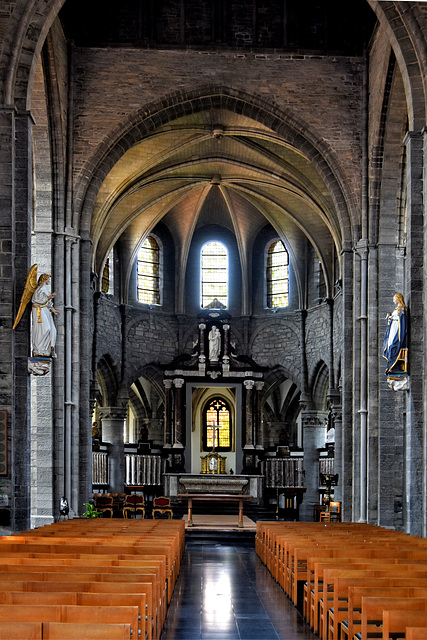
178	382
112	413
249	384
167	383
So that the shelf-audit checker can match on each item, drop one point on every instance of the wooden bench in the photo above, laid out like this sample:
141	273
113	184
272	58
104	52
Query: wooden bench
397	621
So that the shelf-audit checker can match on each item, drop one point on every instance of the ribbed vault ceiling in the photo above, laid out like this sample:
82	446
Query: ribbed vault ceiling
214	167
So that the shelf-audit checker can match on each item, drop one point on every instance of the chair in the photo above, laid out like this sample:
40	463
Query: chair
134	504
104	504
333	514
162	505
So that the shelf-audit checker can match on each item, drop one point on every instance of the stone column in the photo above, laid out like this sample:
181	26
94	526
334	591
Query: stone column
112	420
15	233
226	357
313	440
259	439
416	274
202	356
249	436
178	447
178	384
168	414
249	449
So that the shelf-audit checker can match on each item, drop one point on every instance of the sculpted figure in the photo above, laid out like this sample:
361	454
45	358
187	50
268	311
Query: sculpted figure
395	346
214	343
43	330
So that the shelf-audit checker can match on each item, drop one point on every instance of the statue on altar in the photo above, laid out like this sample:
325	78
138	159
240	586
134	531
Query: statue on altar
214	344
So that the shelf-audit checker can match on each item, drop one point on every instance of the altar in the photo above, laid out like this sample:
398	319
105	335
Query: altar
193	483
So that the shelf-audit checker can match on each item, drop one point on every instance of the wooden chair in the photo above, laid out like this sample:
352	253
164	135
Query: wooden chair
104	504
162	505
333	514
133	504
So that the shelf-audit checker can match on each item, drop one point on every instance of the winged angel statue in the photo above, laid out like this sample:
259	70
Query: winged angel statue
43	330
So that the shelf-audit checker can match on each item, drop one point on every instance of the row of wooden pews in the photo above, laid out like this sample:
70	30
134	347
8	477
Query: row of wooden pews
351	581
89	579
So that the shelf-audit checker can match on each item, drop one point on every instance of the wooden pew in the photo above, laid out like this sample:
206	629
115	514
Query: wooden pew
143	591
416	633
337	607
398	622
374	607
82	631
71	614
21	630
366	613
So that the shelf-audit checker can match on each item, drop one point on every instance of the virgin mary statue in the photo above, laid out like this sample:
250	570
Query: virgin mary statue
395	343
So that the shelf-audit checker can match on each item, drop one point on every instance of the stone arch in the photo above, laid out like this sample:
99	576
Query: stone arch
26	32
319	385
400	20
109	377
180	104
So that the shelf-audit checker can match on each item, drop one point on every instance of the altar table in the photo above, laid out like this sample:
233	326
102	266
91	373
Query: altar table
213	497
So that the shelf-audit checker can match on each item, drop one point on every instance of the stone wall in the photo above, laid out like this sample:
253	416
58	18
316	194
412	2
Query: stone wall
324	92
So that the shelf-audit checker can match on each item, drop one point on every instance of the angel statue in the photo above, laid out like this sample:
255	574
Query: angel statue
43	330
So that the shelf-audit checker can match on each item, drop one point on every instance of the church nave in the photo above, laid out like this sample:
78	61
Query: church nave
225	593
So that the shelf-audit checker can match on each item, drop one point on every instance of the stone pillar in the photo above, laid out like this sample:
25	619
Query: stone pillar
178	384
168	414
249	425
249	449
313	440
226	357
202	356
337	425
259	439
416	274
178	447
112	420
16	212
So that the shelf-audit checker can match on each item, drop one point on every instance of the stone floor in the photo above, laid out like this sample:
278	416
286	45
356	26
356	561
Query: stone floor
226	593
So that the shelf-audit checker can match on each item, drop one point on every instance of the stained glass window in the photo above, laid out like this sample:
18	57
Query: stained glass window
217	426
148	278
277	276
214	277
107	274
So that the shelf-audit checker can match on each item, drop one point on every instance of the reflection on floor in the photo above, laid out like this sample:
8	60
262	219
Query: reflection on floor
226	593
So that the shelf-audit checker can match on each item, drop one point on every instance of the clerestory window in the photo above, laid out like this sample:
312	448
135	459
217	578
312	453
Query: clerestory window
277	275
214	276
148	274
217	428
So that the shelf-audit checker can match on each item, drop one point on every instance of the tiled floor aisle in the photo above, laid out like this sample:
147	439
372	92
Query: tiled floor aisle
225	593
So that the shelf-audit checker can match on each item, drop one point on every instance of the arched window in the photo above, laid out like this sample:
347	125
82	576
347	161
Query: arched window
214	276
277	275
148	280
107	274
217	426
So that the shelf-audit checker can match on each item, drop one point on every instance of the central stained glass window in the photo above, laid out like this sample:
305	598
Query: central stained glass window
214	276
217	426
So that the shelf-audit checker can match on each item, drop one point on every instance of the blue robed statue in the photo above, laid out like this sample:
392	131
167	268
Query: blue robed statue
395	344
